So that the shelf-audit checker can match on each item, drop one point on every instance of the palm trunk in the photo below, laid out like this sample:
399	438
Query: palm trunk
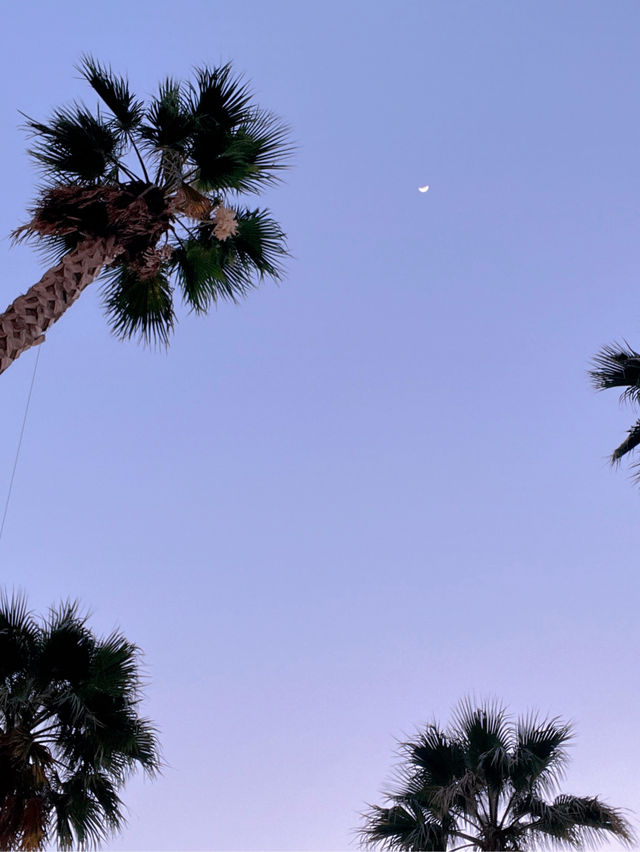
25	321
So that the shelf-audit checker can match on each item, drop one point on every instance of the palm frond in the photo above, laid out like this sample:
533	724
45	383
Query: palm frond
168	129
439	760
617	366
80	820
235	145
487	737
243	159
630	443
67	646
219	98
139	306
402	827
115	667
199	269
260	242
170	122
52	247
208	270
192	203
114	91
267	139
540	754
19	637
75	145
16	617
581	821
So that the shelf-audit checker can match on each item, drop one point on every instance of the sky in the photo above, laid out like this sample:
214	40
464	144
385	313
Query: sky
330	512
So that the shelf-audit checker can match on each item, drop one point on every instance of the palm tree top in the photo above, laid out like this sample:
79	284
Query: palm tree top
163	181
206	132
485	783
70	728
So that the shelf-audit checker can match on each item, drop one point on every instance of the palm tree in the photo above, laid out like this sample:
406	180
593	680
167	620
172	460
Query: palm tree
144	195
484	784
618	366
70	732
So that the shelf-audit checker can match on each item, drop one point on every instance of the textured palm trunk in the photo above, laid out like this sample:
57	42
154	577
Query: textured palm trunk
25	321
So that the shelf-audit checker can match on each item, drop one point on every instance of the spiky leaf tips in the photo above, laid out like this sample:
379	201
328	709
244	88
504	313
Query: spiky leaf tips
160	184
618	366
70	728
486	783
115	93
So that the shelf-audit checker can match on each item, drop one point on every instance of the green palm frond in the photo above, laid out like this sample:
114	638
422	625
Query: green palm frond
208	270
244	159
67	646
235	145
540	753
440	760
260	243
199	268
139	306
485	732
114	667
19	637
269	148
219	97
617	366
630	443
52	247
582	821
75	145
402	827
82	818
115	93
166	136
169	122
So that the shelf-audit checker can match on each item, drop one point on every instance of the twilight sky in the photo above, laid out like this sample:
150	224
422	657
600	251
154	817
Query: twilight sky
330	512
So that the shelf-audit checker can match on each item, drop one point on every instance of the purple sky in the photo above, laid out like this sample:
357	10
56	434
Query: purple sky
330	512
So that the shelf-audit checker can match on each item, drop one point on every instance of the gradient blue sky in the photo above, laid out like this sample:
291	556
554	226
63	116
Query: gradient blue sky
330	512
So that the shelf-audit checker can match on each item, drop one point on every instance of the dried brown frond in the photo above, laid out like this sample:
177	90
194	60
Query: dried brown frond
69	209
136	216
99	211
192	203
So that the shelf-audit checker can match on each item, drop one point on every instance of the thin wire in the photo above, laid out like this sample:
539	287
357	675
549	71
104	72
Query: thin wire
15	463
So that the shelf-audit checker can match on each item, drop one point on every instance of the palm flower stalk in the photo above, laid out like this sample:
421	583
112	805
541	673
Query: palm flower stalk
147	198
485	783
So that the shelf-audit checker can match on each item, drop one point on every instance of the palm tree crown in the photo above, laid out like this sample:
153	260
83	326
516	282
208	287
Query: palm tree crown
152	192
70	731
483	784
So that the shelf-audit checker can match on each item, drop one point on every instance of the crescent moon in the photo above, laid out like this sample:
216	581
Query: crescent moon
423	188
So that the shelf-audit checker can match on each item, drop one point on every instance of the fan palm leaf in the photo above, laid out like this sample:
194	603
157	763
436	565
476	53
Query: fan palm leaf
540	753
75	146
114	92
